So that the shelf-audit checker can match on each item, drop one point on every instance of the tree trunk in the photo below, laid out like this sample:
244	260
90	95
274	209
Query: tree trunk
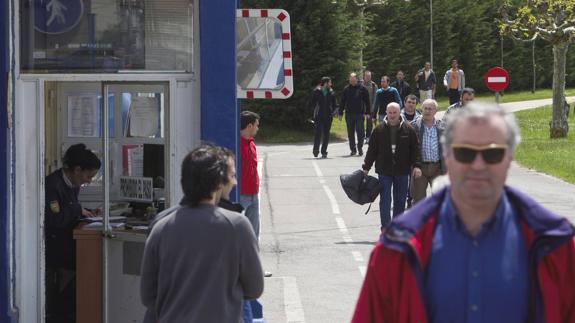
558	127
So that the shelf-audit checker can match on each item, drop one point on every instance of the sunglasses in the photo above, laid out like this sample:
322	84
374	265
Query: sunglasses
491	154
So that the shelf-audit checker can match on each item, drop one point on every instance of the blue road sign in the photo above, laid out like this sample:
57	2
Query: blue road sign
57	16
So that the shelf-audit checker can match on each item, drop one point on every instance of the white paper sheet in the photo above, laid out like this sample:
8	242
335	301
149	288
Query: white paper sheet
82	116
144	116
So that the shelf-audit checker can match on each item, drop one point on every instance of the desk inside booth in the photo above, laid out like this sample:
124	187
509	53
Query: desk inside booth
125	248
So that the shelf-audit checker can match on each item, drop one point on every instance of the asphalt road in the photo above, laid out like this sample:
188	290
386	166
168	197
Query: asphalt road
316	242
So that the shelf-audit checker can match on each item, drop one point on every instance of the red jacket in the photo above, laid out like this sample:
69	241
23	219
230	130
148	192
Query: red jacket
250	180
393	287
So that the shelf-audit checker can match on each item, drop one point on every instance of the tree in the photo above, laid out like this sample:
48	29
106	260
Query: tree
554	22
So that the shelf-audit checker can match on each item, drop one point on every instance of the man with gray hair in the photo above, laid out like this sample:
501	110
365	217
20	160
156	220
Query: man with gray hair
429	132
476	251
394	148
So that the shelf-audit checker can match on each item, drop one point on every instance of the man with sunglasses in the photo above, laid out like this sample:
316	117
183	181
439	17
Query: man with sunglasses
477	250
395	150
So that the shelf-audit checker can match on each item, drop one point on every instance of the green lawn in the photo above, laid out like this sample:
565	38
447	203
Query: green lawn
555	157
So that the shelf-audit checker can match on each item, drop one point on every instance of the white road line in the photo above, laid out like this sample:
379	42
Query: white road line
332	200
317	170
362	270
292	301
357	256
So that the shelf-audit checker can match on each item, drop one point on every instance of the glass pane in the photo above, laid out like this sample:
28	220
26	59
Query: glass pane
259	58
143	115
73	36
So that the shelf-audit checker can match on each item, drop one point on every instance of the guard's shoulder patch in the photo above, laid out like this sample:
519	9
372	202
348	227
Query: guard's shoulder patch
55	206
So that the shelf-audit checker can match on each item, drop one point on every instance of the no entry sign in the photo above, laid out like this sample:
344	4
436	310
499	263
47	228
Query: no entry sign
496	79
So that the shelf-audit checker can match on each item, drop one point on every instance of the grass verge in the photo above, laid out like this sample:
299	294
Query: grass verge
555	157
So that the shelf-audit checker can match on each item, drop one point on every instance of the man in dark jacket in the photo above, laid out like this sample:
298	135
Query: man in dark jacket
394	148
477	250
401	85
324	106
355	98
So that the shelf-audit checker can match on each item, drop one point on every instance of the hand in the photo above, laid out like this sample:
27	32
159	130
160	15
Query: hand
416	172
87	213
366	171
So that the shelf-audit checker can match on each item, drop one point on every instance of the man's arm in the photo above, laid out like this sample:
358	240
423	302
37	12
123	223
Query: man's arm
59	215
371	154
462	79
343	101
397	98
445	79
415	152
149	280
251	272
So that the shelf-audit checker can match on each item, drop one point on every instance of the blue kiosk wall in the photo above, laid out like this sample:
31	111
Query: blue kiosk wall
220	111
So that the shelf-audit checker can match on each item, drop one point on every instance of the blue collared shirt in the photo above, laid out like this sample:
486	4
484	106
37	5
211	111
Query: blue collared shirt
429	147
478	279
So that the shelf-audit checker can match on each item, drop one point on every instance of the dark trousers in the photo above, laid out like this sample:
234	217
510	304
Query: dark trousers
354	124
399	186
60	295
369	126
454	96
322	128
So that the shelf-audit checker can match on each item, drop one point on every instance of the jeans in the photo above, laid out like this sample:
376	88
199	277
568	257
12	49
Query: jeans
454	96
419	185
251	205
399	184
354	124
322	128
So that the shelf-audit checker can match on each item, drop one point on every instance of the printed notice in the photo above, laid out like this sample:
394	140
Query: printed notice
136	189
82	116
144	116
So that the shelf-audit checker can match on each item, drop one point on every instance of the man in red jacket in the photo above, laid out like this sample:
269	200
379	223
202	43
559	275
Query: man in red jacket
250	180
476	251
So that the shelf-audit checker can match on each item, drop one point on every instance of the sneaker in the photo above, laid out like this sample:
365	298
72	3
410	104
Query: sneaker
323	156
267	274
352	153
315	154
361	152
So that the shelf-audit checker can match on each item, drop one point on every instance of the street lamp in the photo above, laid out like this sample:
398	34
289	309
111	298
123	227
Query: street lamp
431	33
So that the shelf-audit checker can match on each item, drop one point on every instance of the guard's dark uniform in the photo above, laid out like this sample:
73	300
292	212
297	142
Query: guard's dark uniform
62	212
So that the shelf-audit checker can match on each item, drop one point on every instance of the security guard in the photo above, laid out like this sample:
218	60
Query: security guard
62	213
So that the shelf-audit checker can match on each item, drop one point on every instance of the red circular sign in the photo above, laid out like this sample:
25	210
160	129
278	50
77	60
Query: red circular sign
496	79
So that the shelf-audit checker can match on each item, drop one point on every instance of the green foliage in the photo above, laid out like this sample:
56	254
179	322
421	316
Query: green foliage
324	42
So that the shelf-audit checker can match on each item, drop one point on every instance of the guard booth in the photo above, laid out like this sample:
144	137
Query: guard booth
141	83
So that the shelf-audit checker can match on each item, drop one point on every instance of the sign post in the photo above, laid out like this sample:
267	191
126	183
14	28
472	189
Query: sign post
496	79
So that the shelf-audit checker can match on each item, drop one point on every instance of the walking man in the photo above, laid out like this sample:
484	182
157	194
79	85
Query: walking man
250	180
201	261
425	81
371	89
477	250
467	95
324	106
395	151
384	96
401	85
410	111
355	98
429	131
454	82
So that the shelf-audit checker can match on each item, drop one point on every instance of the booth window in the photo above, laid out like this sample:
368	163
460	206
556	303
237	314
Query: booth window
106	36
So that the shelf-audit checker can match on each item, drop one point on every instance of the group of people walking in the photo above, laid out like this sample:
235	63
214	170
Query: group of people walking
404	146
